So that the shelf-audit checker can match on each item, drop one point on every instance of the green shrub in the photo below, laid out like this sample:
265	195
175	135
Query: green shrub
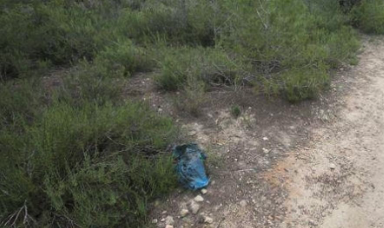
210	65
235	111
20	102
369	16
191	97
88	165
180	22
283	36
37	35
124	57
92	83
304	83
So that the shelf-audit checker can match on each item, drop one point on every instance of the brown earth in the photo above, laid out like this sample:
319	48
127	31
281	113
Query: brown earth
314	164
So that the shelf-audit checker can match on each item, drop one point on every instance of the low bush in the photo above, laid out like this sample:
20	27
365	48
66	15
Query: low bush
125	58
369	16
210	65
278	37
235	111
191	97
89	165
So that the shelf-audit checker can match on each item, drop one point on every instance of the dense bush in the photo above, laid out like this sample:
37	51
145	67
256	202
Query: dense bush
210	65
285	36
369	16
205	38
88	165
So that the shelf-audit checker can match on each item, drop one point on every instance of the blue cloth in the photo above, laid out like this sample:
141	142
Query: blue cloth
190	166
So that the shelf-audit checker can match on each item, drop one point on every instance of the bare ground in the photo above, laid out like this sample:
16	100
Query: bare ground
341	181
314	164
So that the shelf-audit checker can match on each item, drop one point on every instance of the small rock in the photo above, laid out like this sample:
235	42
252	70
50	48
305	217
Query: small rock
169	220
198	198
191	133
204	191
168	226
312	223
243	203
332	166
265	138
154	221
266	151
208	220
162	220
195	207
184	212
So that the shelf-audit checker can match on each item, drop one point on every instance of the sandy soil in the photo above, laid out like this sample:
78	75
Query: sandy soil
341	183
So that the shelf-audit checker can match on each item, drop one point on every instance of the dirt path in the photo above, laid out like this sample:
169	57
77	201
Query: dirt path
340	181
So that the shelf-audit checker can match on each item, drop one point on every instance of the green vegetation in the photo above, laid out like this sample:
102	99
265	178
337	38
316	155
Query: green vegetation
235	111
86	165
369	16
78	153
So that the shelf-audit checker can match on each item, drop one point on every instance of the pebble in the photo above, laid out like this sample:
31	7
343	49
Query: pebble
195	207
243	203
154	221
266	151
168	226
332	166
204	191
265	138
198	198
169	220
184	212
208	220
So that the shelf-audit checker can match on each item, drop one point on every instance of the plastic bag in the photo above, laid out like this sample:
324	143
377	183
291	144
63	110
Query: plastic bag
190	166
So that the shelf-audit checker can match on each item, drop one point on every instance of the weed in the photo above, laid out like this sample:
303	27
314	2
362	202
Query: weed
235	111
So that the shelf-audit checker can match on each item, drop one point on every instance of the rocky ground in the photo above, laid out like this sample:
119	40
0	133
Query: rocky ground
314	164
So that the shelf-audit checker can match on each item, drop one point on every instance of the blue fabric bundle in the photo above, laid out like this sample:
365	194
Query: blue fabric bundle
190	166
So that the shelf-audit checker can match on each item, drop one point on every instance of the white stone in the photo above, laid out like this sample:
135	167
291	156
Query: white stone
195	207
198	198
184	212
266	151
208	220
332	166
204	191
154	221
265	138
169	220
243	203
